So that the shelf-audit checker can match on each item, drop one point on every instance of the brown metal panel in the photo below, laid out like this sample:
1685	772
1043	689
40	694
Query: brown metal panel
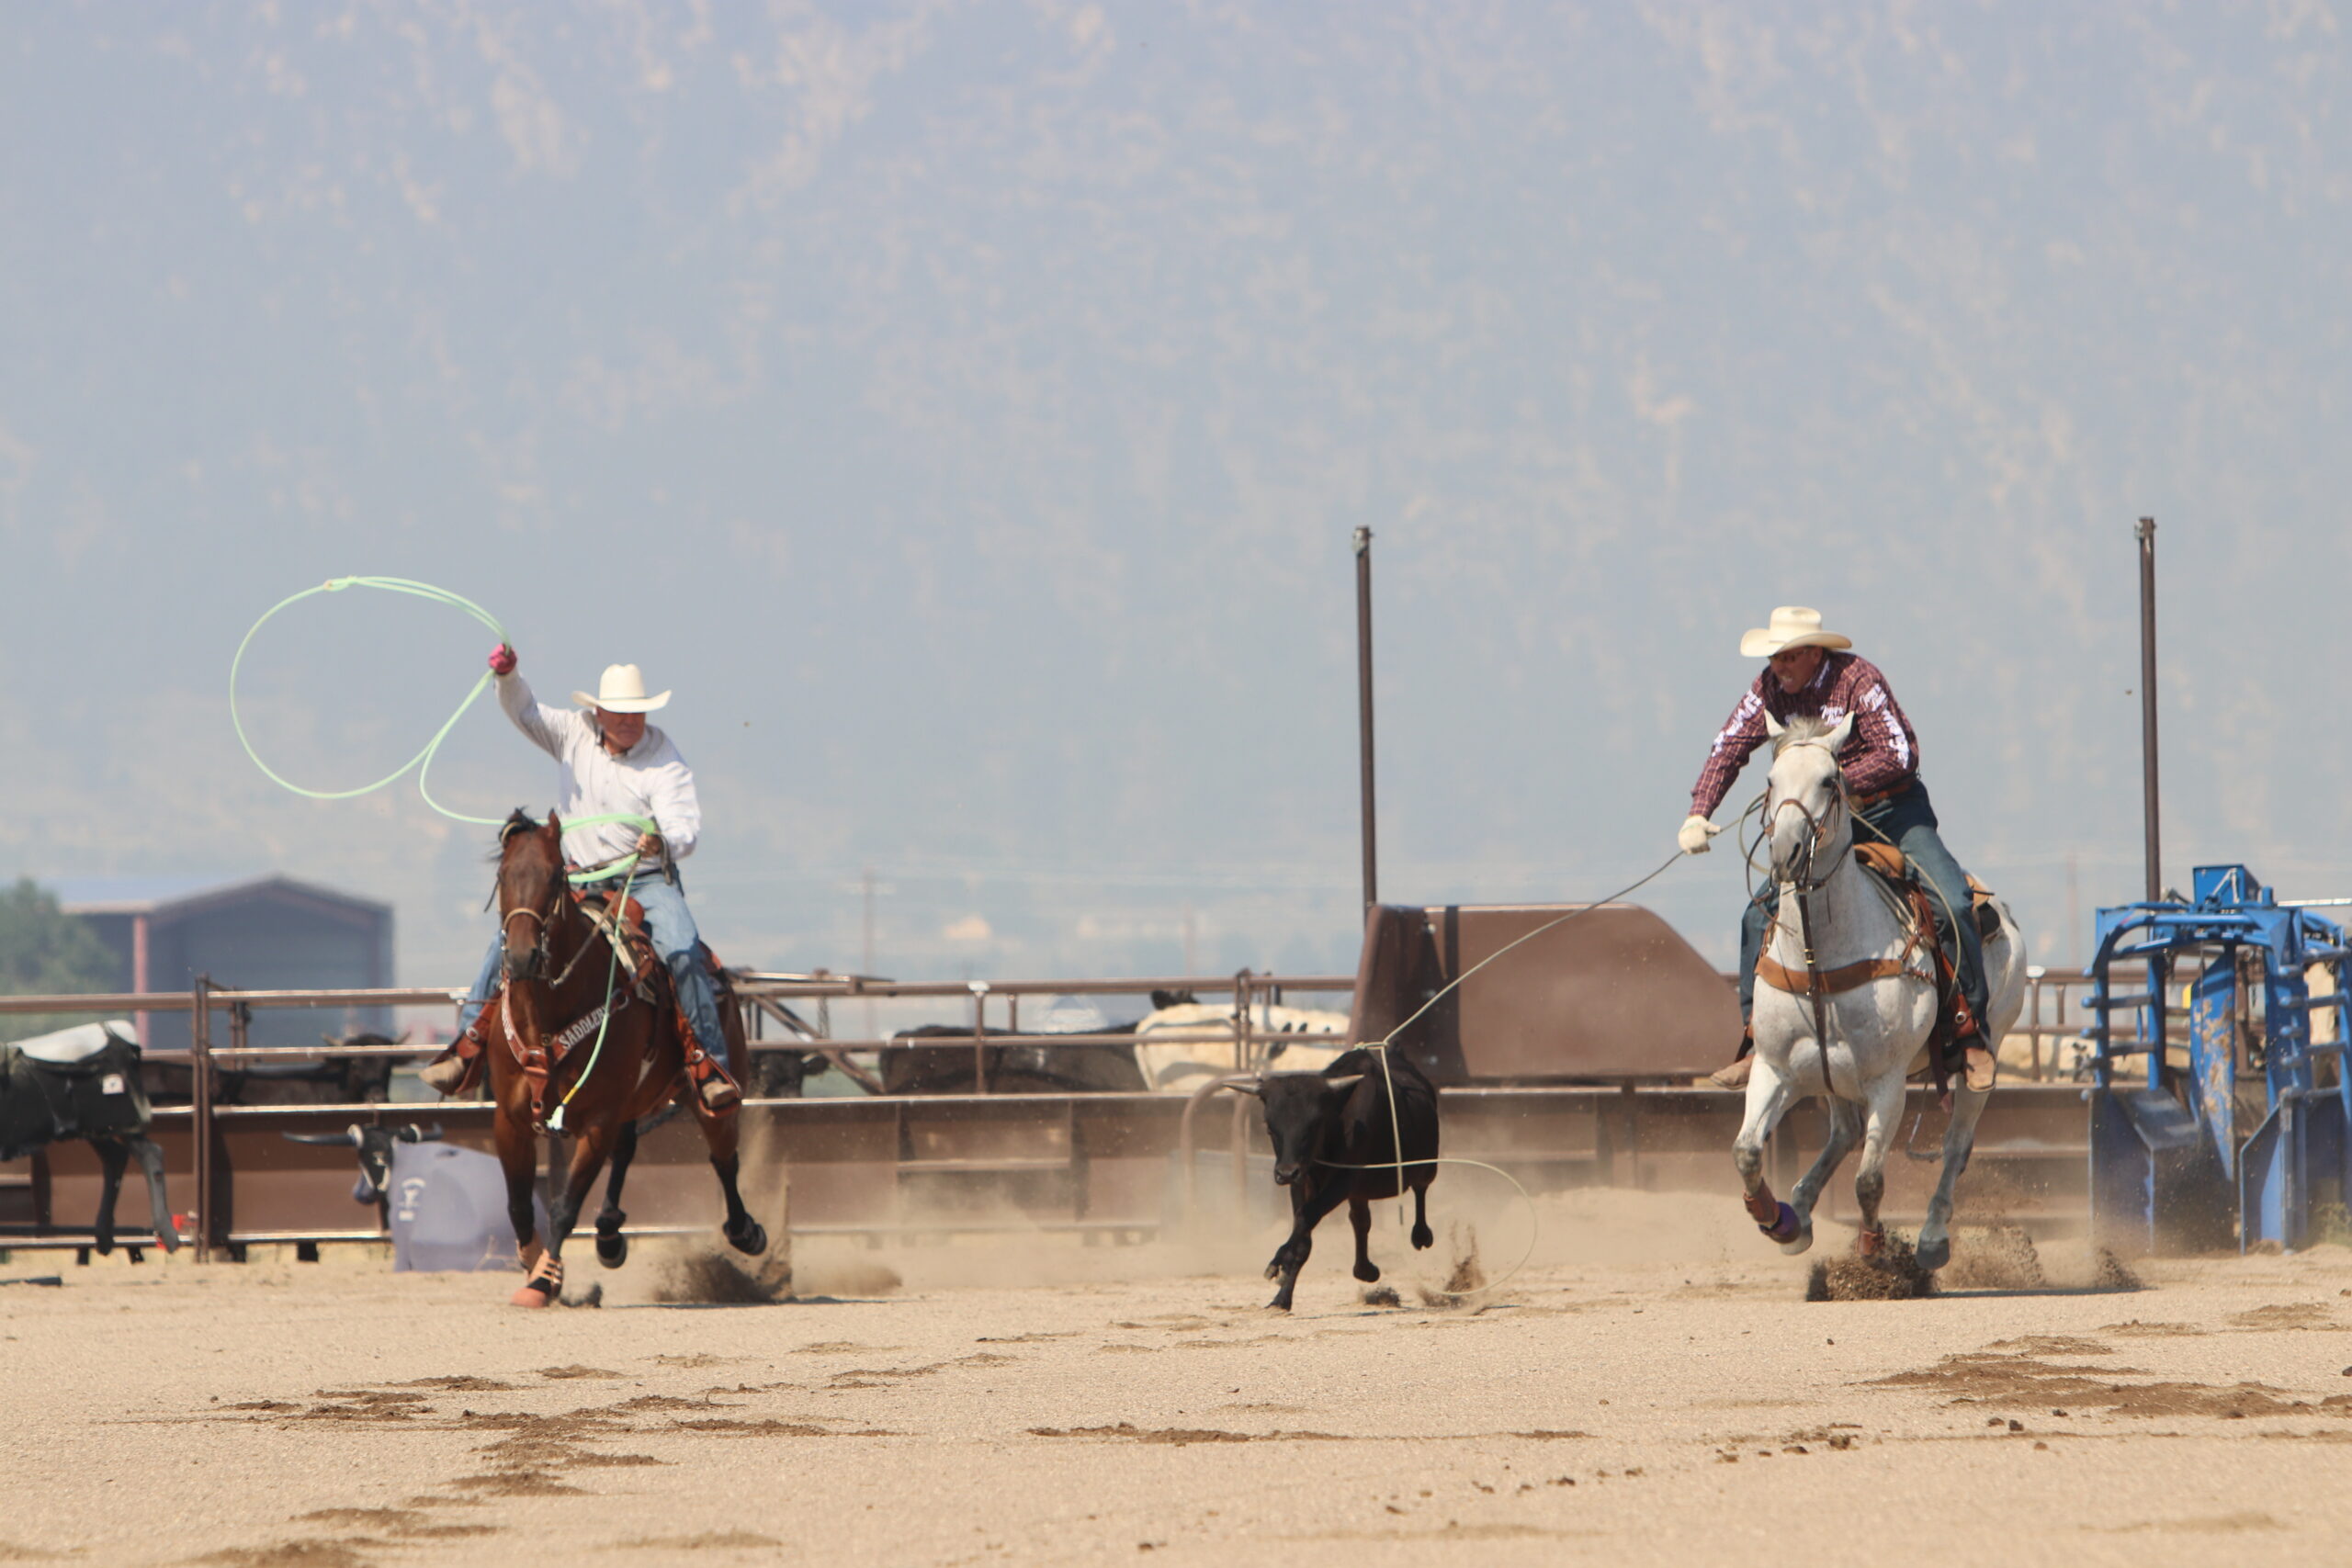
1613	993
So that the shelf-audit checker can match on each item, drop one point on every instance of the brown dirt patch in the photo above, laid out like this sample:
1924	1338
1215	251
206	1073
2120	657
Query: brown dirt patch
2284	1314
515	1483
2136	1329
292	1554
1894	1275
2015	1382
1181	1436
2215	1524
558	1374
709	1541
770	1428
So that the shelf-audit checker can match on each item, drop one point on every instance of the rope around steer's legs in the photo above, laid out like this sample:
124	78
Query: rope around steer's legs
1388	1080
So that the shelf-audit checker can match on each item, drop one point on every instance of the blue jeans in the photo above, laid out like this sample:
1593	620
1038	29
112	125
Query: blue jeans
671	925
1908	821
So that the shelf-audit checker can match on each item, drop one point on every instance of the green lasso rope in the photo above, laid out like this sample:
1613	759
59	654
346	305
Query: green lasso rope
423	760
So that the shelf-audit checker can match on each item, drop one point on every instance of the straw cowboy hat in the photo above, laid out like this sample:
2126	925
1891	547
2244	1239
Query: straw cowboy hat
622	690
1792	626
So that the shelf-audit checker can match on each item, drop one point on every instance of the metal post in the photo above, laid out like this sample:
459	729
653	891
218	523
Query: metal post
1364	711
200	1110
979	1036
2146	535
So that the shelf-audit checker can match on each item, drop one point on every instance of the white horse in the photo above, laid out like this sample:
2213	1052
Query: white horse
1873	1020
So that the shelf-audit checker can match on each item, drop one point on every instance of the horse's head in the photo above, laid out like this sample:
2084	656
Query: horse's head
531	887
1808	823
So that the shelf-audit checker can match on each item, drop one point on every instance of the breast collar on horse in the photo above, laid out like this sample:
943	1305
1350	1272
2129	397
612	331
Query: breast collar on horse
1804	886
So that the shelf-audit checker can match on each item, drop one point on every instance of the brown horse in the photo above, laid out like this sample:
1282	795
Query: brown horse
555	980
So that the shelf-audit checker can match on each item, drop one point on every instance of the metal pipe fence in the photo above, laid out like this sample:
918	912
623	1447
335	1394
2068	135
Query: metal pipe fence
208	1004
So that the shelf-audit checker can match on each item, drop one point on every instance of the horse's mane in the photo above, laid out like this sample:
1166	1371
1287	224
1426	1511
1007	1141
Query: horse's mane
1804	727
522	821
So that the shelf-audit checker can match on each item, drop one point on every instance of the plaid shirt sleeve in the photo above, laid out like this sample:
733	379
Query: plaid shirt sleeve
1735	743
1883	751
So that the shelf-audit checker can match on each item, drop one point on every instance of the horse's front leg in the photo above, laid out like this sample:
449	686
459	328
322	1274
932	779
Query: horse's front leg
1845	1131
1768	1095
1882	1116
612	1248
519	1159
1960	1139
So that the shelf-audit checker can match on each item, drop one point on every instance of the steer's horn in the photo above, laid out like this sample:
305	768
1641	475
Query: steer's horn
1345	1081
349	1135
1247	1083
413	1133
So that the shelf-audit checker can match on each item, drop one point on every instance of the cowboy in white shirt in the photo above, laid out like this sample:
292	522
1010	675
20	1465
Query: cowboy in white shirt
615	764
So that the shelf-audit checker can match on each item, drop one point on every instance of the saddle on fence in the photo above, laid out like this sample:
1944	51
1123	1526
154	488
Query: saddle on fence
77	1083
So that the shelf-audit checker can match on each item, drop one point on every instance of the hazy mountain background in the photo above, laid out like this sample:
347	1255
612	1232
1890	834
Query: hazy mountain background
964	407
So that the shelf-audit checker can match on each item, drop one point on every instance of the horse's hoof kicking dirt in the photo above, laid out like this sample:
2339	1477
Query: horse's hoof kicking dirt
612	1251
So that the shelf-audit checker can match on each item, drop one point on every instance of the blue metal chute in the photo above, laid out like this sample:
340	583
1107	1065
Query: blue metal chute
2168	1163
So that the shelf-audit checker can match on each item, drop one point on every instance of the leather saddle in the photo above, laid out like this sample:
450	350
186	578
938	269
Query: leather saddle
1940	1057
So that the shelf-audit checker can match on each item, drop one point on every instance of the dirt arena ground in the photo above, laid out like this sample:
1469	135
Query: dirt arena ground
1654	1390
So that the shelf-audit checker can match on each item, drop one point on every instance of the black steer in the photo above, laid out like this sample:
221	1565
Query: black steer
375	1146
1336	1140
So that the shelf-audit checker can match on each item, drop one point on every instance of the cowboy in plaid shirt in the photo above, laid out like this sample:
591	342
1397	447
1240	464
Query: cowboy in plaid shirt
1811	675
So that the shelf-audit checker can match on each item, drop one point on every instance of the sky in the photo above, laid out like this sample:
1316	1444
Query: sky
965	408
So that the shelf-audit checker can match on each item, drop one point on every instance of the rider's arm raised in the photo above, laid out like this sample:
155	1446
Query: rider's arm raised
542	724
1737	740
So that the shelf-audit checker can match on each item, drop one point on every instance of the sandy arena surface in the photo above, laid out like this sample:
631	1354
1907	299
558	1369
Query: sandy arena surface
1654	1390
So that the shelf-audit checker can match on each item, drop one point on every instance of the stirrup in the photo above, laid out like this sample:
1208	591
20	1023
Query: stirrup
456	1069
713	1085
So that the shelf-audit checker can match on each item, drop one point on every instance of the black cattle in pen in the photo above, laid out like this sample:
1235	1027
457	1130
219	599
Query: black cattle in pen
1336	1138
334	1080
84	1083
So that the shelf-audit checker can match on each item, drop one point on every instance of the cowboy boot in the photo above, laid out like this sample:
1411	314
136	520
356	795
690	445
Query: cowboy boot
458	1069
711	1081
1736	1076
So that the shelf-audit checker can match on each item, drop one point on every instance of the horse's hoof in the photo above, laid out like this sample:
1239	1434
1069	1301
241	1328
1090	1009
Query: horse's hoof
1784	1227
612	1251
1423	1238
1801	1242
751	1241
1933	1255
1279	1303
1368	1273
544	1284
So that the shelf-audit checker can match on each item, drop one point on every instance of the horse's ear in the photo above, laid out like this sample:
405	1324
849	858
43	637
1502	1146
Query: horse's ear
1772	726
1835	740
554	824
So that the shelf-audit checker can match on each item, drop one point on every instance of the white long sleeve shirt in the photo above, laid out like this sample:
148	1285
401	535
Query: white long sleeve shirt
650	779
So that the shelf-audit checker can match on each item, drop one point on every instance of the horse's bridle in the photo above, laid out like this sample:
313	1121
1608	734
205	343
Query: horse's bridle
533	960
1821	826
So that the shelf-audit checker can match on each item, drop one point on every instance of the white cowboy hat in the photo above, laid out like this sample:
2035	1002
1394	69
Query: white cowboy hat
1792	626
621	690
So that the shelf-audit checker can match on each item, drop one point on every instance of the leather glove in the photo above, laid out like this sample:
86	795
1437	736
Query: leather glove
501	660
1696	831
